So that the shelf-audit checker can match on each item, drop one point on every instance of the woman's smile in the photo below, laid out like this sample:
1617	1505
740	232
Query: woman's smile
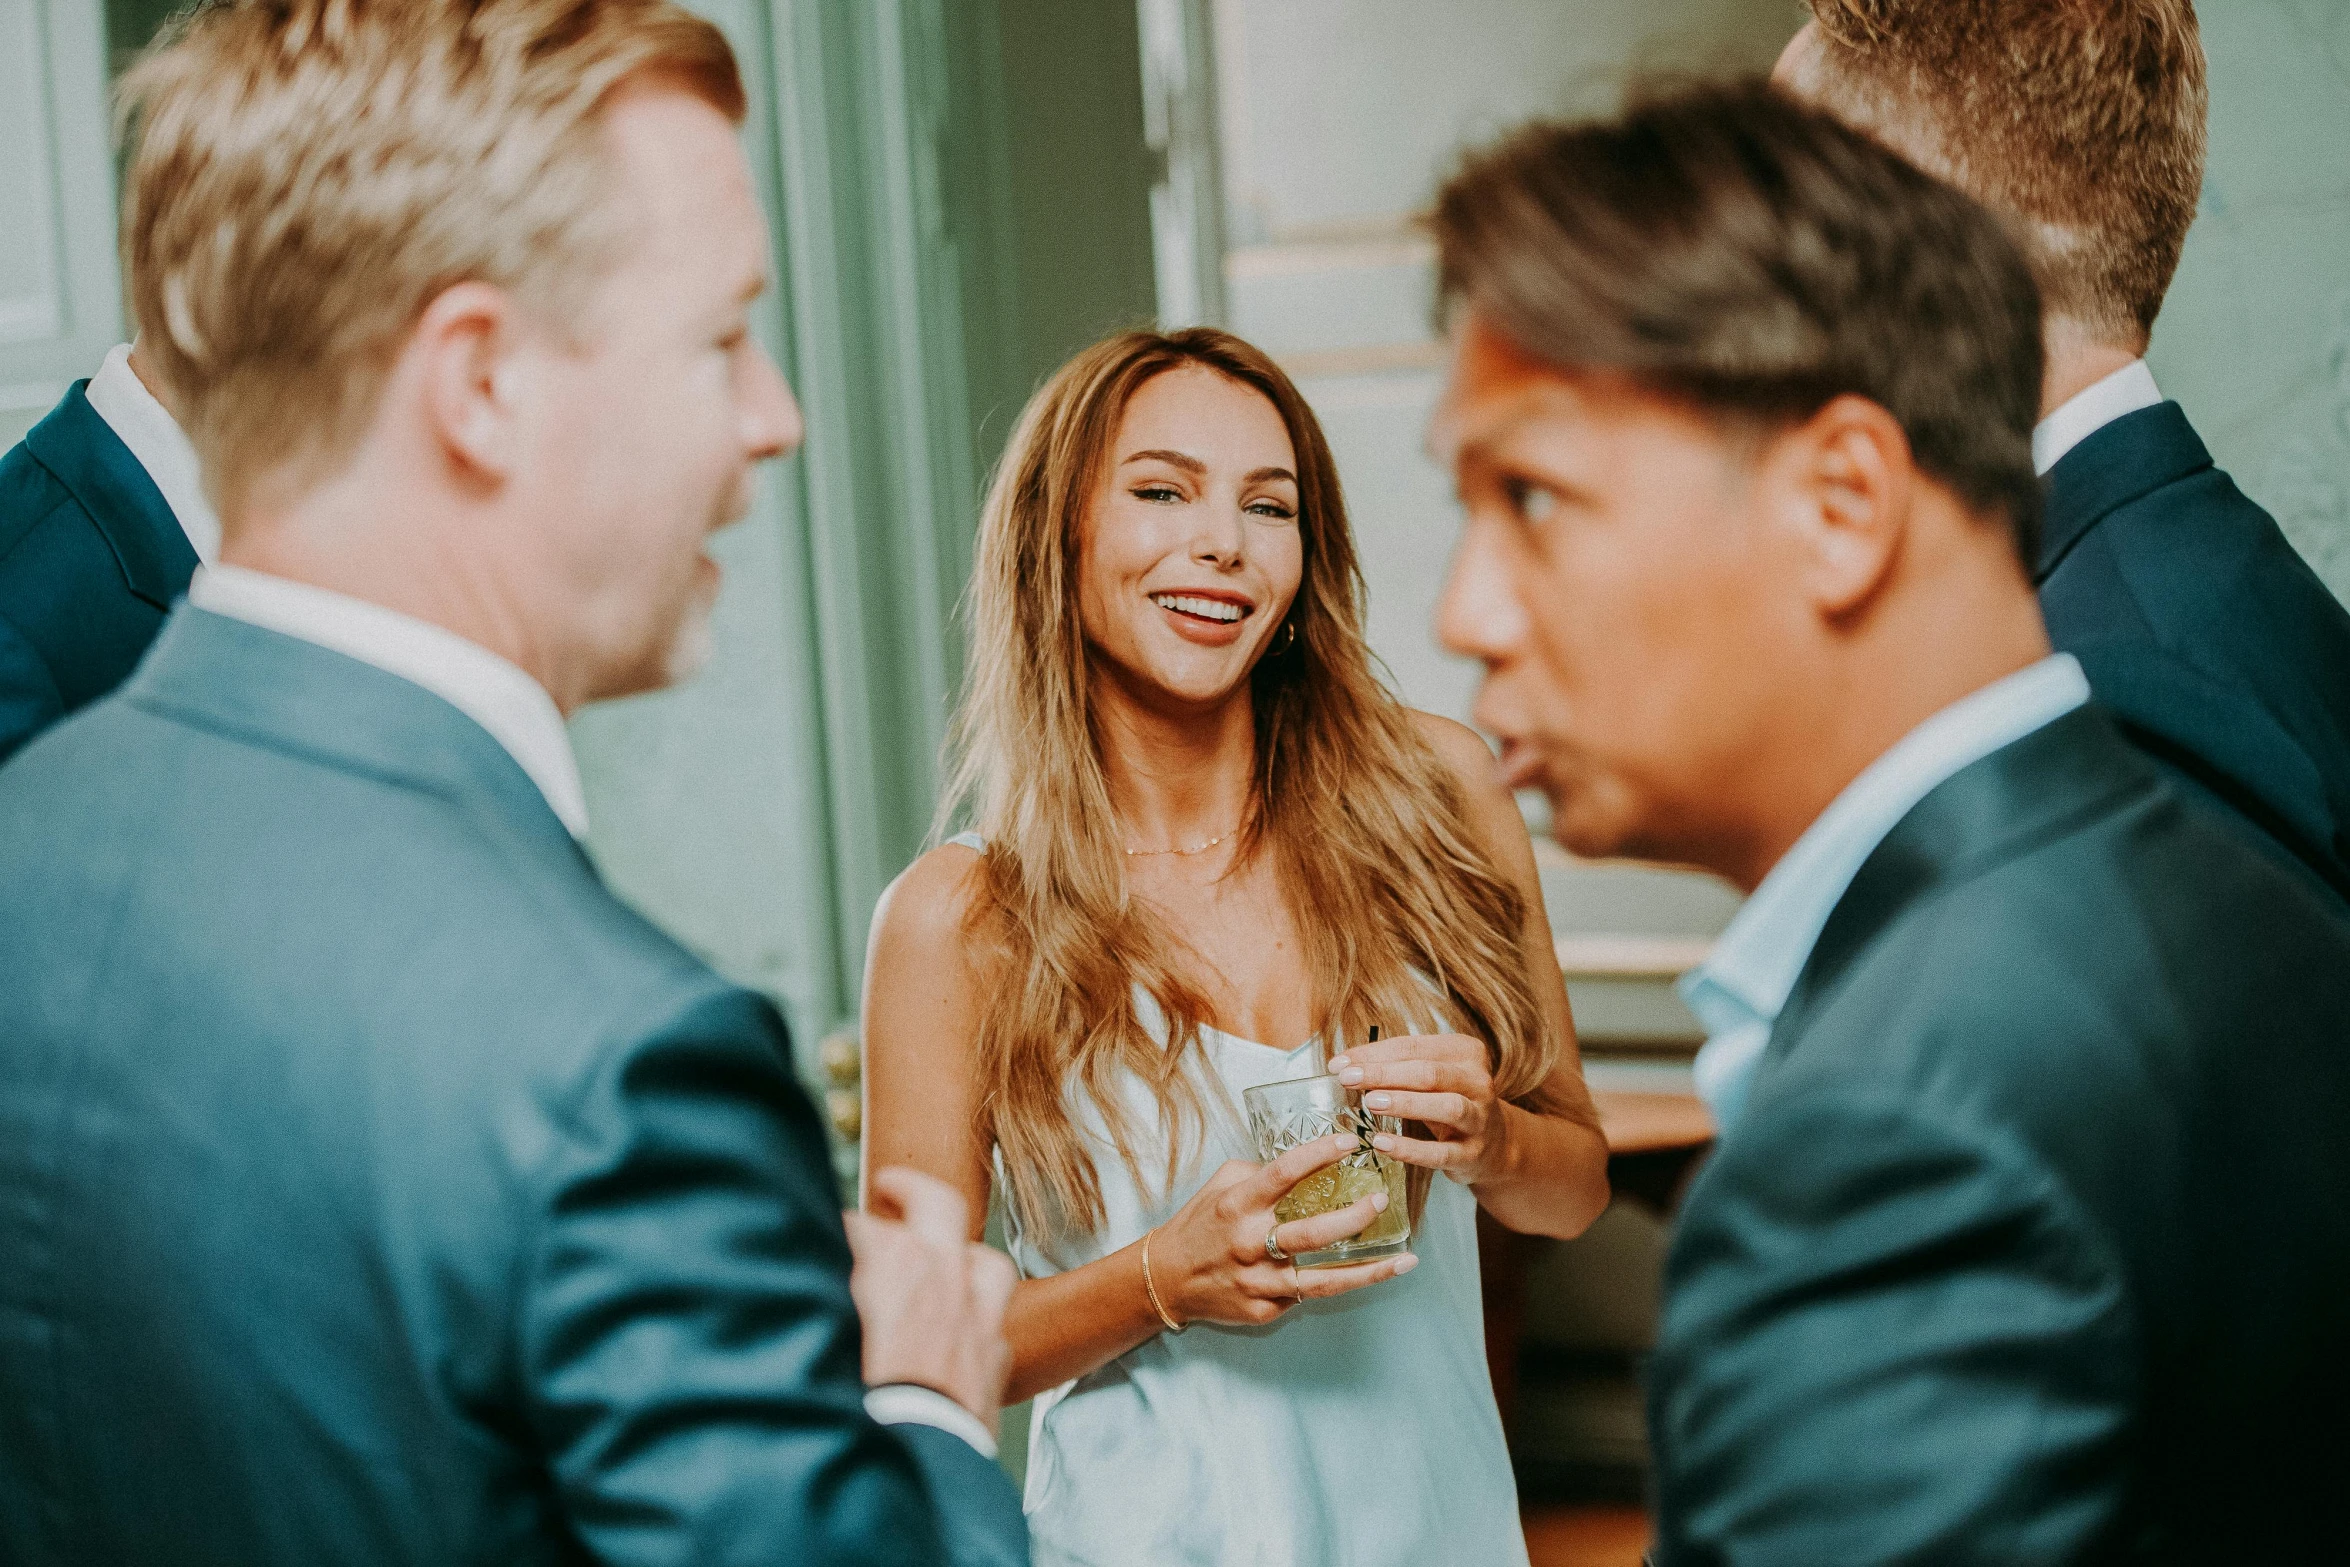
1211	618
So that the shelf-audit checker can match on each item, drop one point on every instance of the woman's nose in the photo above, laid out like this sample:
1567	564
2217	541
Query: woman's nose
1222	536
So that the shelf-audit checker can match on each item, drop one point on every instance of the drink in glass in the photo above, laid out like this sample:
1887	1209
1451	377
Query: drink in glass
1282	1115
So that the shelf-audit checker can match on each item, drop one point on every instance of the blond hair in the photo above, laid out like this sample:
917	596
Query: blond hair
2084	119
309	174
1411	923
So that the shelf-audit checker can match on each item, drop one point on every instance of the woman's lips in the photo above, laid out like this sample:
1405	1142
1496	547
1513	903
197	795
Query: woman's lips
1203	629
1195	628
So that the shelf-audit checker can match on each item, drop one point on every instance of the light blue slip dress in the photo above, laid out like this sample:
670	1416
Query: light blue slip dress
1355	1432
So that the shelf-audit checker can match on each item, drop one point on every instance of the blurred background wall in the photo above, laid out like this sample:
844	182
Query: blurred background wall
961	193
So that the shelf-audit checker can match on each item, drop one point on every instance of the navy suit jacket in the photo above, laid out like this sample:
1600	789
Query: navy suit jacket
90	559
2032	1243
376	1188
2203	632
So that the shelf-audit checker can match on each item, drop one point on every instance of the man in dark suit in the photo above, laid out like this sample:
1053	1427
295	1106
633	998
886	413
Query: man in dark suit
2027	1238
102	521
374	1186
2210	641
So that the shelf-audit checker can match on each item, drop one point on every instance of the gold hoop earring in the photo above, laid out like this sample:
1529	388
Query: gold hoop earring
1288	638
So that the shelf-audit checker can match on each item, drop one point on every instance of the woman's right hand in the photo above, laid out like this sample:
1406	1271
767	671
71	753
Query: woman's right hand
1209	1262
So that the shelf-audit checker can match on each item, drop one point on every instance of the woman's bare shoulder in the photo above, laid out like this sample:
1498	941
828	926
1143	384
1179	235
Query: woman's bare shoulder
1492	809
1463	751
923	977
929	907
923	1003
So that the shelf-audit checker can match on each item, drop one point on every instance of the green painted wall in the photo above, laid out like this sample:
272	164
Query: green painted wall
130	24
1045	177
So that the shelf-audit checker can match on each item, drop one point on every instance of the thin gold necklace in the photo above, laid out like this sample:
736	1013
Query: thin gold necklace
1197	848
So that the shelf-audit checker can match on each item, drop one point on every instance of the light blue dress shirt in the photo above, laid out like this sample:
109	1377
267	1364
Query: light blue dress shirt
1742	987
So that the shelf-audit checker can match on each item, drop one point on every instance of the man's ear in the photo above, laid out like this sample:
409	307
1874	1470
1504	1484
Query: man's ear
462	351
1845	480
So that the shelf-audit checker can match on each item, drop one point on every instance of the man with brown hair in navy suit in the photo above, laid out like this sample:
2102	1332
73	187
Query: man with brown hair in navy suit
2219	650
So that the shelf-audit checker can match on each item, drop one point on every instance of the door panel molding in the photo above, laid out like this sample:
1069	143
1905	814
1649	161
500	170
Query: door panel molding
60	291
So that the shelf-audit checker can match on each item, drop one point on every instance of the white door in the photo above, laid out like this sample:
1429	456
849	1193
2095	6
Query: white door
60	294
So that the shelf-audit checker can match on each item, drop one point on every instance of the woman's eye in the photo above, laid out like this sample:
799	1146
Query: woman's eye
1273	509
1157	492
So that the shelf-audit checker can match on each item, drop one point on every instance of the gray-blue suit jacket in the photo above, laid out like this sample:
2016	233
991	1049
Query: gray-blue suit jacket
376	1188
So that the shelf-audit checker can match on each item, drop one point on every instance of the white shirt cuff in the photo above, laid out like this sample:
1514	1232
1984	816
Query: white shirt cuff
909	1404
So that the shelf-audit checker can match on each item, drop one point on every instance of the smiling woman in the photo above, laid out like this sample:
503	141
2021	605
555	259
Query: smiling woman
1203	825
1192	555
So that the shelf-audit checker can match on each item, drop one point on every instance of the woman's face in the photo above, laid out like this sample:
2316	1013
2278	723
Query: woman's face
1191	554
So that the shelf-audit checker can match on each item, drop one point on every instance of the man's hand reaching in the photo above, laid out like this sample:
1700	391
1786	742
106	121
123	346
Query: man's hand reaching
931	1301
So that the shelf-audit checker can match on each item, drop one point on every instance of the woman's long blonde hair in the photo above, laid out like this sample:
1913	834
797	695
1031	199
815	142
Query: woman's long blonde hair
1368	830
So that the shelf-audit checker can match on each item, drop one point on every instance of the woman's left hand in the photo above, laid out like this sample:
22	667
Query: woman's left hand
1442	1081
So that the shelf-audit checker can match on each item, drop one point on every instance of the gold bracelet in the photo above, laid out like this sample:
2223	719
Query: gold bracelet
1152	1290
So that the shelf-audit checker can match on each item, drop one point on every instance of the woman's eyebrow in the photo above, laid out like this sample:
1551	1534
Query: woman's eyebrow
1192	465
1185	461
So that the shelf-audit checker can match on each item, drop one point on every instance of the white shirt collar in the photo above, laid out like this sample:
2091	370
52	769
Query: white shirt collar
513	707
161	447
1744	985
2084	414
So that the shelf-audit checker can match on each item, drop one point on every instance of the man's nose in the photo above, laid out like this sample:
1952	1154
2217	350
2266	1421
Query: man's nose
1478	615
772	426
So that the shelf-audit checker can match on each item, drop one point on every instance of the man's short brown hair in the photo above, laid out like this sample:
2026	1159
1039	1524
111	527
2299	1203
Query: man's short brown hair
1754	258
2083	118
309	174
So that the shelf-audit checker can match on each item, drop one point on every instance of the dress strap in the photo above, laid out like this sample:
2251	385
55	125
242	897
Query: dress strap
969	840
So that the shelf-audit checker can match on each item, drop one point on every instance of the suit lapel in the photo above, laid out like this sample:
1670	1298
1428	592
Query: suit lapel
2050	782
82	451
2133	456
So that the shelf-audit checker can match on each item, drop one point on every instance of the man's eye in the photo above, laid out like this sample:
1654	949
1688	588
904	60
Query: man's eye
1532	502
